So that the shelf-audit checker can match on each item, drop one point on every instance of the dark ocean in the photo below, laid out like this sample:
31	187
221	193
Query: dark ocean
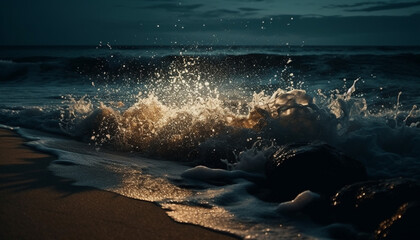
193	127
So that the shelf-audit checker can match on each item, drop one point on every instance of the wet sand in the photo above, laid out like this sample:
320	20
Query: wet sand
35	204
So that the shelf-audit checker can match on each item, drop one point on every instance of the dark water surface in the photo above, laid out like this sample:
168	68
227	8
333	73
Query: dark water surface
138	120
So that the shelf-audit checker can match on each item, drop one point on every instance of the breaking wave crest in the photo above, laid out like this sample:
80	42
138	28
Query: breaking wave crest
215	132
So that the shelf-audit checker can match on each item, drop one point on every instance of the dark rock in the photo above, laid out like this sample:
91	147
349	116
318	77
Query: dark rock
210	154
319	210
318	167
345	232
403	225
367	204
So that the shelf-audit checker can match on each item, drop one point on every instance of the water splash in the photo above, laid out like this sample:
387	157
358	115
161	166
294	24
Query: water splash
184	115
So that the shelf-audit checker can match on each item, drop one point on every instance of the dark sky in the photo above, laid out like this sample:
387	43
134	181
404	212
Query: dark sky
209	22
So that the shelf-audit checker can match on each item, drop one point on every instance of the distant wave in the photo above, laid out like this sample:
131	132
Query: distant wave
113	67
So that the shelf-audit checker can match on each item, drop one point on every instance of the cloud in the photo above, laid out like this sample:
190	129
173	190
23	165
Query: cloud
202	24
246	9
219	13
374	6
325	30
174	7
360	4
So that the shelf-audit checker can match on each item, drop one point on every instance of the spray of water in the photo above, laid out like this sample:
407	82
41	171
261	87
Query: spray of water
184	115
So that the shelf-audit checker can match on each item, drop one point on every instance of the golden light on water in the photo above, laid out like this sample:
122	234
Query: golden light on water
139	185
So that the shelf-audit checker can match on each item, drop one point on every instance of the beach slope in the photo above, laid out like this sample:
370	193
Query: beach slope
35	204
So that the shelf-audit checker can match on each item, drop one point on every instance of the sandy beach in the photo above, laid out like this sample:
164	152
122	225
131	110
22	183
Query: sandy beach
34	204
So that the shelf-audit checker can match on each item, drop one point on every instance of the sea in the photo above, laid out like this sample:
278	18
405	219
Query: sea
190	128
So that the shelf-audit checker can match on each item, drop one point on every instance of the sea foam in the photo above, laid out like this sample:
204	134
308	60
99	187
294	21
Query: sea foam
210	130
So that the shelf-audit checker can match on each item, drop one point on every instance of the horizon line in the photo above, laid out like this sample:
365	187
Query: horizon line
200	45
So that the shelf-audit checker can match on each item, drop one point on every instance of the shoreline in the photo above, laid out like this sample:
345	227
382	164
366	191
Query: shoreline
35	204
